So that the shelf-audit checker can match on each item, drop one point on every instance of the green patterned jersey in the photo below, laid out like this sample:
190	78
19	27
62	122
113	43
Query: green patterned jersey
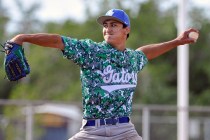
108	76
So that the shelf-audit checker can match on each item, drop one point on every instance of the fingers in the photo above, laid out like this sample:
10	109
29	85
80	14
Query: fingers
193	34
191	30
187	35
184	37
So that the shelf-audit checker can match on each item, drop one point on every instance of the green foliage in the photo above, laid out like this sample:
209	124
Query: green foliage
199	61
52	77
5	86
158	80
55	78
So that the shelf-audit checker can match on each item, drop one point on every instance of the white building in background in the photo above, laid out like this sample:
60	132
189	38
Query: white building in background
57	121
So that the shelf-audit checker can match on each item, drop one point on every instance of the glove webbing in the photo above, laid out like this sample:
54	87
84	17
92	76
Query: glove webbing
14	69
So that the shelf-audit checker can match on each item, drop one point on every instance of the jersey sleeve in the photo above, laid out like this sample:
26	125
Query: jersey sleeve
79	51
141	60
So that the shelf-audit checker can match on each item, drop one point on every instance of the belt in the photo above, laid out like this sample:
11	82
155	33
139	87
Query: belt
108	121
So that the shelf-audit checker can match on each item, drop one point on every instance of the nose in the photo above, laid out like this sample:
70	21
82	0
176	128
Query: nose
108	29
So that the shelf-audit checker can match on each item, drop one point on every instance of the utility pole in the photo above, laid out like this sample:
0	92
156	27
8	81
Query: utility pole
183	77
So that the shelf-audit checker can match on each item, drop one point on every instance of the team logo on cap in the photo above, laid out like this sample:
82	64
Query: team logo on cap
110	13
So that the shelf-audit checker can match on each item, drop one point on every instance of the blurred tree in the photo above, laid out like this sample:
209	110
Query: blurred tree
5	87
199	59
54	78
58	79
157	82
28	22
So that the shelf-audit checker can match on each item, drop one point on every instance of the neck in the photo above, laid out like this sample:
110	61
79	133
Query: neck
119	47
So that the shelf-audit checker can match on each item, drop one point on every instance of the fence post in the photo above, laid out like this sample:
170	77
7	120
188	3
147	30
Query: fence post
146	123
29	122
206	129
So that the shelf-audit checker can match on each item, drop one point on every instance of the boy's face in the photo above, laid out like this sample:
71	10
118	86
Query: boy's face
114	33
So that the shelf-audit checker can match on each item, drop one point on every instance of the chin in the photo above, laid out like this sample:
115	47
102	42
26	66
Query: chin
109	41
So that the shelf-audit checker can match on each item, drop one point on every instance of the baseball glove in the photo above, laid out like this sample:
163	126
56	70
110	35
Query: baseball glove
15	63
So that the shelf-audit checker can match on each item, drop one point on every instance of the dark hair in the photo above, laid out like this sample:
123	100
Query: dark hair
124	26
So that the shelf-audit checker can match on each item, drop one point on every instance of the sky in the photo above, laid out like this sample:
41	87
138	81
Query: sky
51	9
57	10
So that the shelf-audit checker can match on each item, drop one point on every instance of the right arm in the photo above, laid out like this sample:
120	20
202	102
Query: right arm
40	39
154	50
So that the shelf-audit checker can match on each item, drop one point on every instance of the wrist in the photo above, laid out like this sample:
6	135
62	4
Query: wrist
18	39
176	42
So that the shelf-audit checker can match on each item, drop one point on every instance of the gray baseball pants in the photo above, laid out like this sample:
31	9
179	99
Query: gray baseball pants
120	131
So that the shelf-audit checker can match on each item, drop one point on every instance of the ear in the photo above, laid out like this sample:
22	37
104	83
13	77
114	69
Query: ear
127	30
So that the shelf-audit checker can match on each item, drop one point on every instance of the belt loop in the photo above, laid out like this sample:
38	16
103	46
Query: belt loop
84	122
104	121
97	123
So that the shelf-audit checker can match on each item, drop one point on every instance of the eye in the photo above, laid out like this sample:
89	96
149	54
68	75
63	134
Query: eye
105	25
114	25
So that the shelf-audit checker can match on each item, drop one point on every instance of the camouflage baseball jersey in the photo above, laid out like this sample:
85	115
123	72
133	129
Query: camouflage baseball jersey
108	76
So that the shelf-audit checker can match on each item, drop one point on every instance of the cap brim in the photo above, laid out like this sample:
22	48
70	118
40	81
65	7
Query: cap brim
101	19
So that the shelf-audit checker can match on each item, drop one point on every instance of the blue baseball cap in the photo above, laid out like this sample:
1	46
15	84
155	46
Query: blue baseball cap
115	14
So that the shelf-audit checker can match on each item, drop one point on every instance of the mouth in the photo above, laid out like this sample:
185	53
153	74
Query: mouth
108	34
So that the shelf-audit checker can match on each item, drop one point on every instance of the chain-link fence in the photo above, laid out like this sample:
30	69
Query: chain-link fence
44	120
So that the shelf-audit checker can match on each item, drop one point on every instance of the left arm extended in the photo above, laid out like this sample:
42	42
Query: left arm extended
154	50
